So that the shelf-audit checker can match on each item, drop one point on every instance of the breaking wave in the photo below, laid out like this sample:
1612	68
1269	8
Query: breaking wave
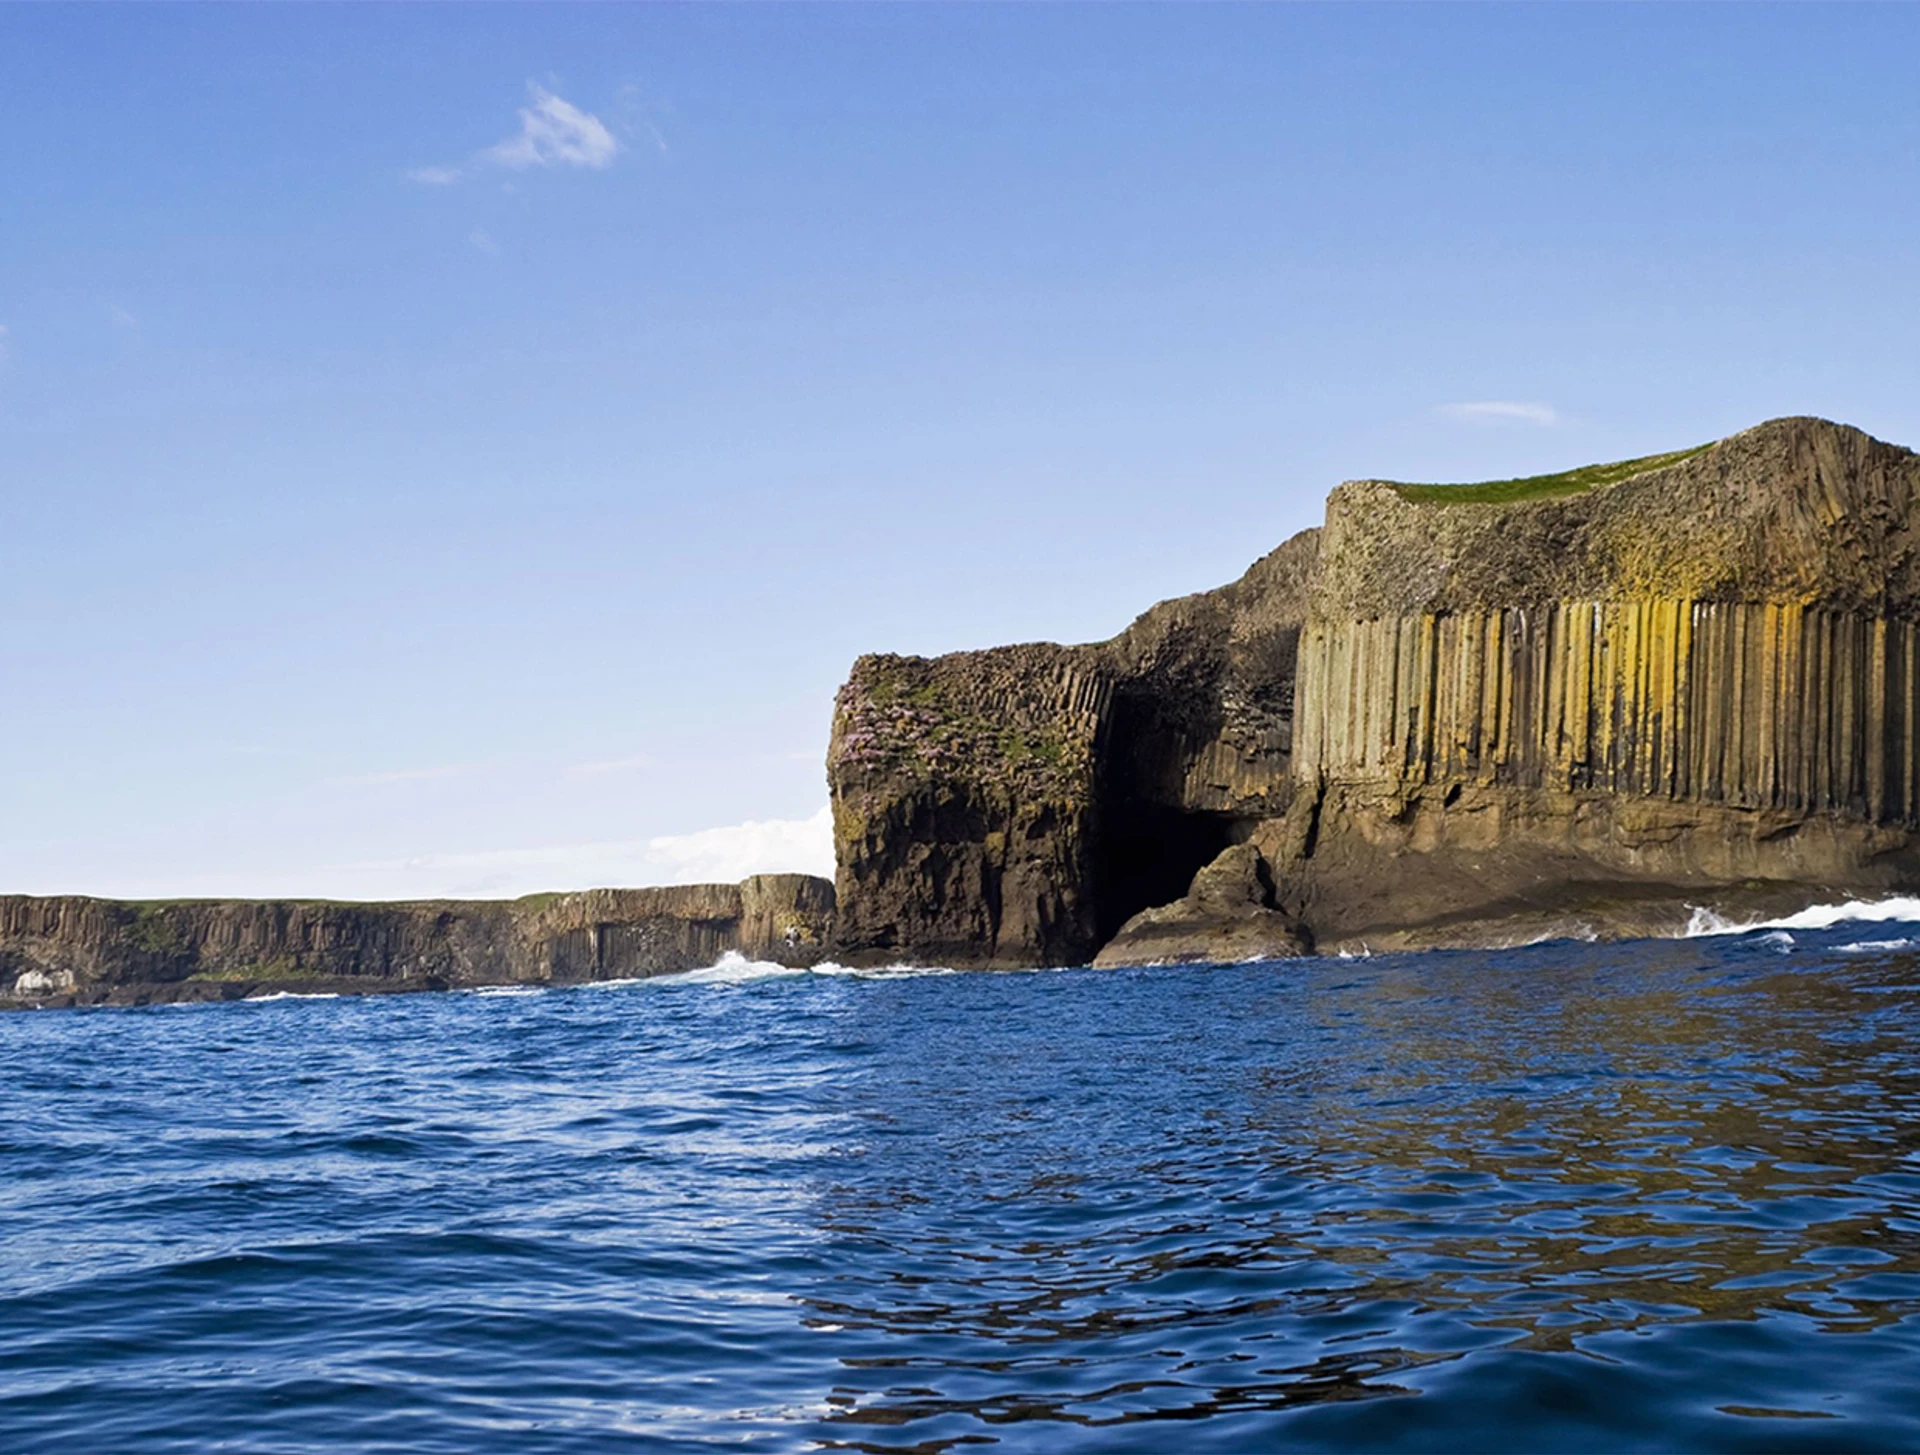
733	968
1897	909
290	995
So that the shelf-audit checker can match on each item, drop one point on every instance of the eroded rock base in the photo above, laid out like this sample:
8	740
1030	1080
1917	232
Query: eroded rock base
1227	917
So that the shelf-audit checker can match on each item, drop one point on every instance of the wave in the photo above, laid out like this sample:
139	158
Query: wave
899	972
1900	908
290	995
733	968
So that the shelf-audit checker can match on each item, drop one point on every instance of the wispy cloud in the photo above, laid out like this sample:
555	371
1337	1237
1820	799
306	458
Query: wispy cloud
553	133
3	343
708	856
482	241
613	765
121	319
631	116
1503	411
400	775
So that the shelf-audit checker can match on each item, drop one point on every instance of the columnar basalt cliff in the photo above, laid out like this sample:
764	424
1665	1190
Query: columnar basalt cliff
75	950
1578	704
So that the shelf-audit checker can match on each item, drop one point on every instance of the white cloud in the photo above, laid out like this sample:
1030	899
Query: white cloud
553	133
483	241
761	846
121	319
3	343
708	856
401	775
1503	411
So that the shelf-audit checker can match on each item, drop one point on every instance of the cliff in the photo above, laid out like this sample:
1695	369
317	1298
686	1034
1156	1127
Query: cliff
75	950
1456	714
1016	806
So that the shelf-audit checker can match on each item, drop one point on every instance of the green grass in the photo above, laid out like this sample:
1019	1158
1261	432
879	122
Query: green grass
1542	487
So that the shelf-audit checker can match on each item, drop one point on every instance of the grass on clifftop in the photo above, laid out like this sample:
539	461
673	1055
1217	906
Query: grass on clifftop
1542	487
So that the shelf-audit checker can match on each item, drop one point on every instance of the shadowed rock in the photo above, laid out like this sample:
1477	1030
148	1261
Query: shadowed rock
1228	916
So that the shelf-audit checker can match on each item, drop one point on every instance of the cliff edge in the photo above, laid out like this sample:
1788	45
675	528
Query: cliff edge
74	950
1577	704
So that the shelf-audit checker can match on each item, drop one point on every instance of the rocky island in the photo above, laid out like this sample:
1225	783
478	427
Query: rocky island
1582	704
1585	704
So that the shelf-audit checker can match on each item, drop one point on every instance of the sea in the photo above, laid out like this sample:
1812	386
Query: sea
1661	1195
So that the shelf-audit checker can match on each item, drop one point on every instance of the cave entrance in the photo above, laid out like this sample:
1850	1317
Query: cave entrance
1148	856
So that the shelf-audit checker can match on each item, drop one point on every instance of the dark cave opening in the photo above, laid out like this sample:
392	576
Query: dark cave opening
1148	856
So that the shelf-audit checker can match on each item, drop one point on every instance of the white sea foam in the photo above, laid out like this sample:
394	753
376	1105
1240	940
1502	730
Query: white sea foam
733	968
510	990
1897	909
290	995
904	972
1869	947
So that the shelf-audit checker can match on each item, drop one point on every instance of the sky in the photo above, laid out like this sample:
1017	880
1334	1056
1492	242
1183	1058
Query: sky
459	451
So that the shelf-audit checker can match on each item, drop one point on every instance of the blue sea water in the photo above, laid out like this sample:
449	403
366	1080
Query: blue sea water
1662	1195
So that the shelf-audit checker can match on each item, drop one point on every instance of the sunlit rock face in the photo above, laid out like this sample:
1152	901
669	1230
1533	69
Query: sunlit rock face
1454	715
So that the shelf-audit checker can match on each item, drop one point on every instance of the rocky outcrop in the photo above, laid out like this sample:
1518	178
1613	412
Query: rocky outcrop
1455	715
1226	917
75	950
1017	806
962	797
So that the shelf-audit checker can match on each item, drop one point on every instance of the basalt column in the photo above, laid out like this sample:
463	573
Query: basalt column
965	814
1750	705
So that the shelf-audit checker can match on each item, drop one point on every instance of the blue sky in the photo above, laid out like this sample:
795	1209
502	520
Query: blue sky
460	450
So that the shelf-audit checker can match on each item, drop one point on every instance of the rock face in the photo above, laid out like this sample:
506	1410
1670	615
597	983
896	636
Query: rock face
1227	916
1017	806
1453	715
68	950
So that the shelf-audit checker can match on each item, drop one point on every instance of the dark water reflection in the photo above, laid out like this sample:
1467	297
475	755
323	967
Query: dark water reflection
1655	1196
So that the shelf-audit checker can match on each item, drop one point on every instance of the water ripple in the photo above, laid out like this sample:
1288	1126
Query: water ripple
1651	1196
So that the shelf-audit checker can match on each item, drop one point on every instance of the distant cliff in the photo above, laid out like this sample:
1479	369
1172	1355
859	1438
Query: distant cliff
76	950
1456	714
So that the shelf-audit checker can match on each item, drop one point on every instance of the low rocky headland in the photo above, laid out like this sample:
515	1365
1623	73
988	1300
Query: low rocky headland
1585	704
72	950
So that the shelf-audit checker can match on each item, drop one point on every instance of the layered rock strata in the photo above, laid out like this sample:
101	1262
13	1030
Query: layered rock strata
1453	715
75	950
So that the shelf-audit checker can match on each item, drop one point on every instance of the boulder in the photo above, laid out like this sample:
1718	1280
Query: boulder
1226	917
